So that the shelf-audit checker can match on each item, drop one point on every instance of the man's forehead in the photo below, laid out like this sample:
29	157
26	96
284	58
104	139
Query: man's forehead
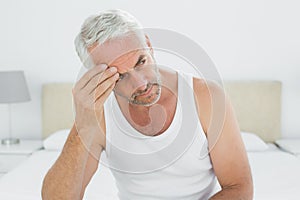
116	48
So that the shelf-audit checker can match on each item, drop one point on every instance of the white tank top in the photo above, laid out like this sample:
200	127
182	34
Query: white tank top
173	165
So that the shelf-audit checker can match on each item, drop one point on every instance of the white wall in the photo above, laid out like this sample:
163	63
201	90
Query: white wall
256	39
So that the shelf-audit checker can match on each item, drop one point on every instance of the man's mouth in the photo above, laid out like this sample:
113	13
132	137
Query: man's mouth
143	92
148	90
145	97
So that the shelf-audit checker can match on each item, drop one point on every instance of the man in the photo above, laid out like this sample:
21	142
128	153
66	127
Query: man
125	97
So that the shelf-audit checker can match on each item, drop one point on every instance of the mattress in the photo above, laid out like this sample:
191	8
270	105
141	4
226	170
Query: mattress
275	173
25	181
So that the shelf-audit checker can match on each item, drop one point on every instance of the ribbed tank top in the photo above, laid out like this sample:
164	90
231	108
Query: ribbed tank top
173	165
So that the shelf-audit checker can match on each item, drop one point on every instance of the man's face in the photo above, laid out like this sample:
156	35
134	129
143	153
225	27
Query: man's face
139	81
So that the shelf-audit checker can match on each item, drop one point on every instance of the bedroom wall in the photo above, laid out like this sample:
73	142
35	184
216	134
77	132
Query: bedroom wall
254	40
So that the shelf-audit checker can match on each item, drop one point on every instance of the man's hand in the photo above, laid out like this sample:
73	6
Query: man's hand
89	95
79	158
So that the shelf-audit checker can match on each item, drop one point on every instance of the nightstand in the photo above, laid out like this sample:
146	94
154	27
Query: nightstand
12	155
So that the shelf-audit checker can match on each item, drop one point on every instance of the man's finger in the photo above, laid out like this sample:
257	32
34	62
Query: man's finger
85	79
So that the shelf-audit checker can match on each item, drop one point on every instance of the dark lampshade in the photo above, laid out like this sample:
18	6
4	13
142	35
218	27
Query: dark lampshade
13	87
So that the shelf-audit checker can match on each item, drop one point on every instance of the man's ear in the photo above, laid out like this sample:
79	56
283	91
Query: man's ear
149	43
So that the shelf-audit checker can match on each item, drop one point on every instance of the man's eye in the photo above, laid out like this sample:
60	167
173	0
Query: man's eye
142	62
122	76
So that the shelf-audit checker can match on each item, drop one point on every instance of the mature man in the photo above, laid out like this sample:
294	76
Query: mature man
156	125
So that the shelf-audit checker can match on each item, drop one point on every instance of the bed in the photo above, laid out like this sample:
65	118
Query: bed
257	104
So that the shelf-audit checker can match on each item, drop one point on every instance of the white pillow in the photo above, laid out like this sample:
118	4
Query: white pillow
253	143
289	145
56	140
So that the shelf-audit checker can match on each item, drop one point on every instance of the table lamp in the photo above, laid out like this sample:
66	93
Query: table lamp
13	89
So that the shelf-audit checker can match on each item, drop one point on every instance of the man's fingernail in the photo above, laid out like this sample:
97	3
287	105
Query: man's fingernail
103	66
113	69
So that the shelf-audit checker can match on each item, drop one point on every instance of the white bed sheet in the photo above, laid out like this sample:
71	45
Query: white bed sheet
276	176
25	181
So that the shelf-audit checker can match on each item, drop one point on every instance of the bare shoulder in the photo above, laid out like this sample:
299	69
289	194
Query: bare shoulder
206	92
207	87
227	151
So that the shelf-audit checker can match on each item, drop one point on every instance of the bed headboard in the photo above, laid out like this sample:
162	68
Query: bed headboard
57	107
257	106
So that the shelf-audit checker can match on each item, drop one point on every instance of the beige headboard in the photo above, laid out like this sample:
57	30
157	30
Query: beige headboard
257	105
57	107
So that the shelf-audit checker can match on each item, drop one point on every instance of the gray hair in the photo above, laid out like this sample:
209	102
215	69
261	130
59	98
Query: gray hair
98	29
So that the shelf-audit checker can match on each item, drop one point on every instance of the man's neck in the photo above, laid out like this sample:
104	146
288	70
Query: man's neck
154	119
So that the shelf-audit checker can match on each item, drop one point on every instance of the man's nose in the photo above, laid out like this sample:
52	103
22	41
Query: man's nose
138	79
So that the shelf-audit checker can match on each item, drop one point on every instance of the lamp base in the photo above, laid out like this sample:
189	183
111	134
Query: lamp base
10	141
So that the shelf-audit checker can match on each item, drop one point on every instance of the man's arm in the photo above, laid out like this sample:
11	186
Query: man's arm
71	173
227	151
78	161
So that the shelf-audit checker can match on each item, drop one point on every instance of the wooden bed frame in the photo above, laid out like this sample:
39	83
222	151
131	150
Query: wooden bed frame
257	105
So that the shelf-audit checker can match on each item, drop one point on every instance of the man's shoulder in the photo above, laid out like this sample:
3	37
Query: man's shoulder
206	86
208	94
